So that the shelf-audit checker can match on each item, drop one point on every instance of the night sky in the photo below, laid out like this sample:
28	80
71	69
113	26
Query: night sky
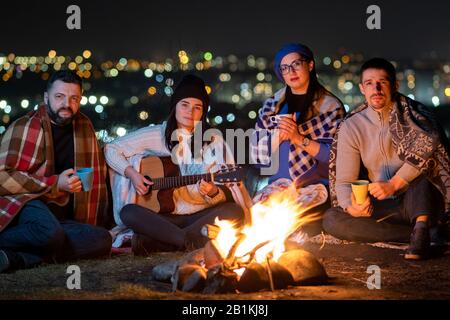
159	28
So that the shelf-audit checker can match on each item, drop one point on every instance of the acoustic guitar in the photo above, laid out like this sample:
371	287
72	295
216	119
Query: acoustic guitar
166	177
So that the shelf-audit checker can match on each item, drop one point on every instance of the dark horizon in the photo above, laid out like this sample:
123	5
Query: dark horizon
157	29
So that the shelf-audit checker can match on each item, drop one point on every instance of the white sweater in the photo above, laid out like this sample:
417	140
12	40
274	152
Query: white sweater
366	137
150	141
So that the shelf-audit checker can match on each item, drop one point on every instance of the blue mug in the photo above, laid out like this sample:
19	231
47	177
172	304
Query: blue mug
86	176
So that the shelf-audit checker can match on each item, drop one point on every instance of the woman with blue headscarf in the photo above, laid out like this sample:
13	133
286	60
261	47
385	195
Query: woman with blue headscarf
297	124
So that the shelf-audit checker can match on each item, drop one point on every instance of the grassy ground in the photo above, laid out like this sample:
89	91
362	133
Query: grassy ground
128	277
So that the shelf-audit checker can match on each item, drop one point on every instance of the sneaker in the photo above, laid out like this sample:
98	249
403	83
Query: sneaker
191	278
144	246
438	235
138	245
194	241
419	245
10	261
4	261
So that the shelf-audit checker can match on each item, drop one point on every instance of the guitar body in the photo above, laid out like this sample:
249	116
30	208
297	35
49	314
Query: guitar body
166	176
160	201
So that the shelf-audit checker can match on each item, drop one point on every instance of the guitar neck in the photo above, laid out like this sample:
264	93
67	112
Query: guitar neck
179	181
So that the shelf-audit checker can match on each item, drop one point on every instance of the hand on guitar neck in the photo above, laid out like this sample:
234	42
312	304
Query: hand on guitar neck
140	182
208	188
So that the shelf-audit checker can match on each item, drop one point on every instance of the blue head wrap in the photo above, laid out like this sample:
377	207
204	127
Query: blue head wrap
301	49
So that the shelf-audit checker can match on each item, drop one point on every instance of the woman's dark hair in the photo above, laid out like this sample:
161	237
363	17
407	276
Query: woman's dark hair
314	92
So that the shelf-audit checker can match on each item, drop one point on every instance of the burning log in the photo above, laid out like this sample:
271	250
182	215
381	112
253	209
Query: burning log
256	277
304	267
269	273
220	280
190	274
281	276
190	278
251	257
194	257
167	270
251	254
212	254
230	261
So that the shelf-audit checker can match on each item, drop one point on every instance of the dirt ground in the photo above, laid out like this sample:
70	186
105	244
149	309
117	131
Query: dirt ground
128	277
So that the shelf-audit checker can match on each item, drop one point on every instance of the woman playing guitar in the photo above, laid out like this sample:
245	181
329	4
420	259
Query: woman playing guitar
196	204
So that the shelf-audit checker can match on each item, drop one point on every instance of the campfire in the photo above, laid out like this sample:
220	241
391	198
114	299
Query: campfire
252	257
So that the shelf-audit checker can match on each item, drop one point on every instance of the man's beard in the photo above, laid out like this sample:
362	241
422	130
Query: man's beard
56	118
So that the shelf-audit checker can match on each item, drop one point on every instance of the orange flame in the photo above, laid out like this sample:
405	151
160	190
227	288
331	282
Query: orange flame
273	221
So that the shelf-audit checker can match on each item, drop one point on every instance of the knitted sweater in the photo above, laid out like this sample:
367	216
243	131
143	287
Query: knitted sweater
366	138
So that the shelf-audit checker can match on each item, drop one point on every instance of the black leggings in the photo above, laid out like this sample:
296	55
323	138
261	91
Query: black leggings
170	232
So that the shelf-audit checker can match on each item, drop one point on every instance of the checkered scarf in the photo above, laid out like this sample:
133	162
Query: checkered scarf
27	167
321	127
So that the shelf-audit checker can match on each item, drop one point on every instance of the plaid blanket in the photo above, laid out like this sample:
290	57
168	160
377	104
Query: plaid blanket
322	126
419	140
27	167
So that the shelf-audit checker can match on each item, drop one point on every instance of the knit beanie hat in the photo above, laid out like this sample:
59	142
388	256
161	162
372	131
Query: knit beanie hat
301	49
190	87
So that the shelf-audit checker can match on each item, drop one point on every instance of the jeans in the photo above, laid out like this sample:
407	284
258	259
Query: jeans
421	198
36	236
170	232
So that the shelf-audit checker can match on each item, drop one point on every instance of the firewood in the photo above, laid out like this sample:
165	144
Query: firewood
254	278
190	278
281	276
240	238
304	267
252	253
220	280
269	273
212	254
194	257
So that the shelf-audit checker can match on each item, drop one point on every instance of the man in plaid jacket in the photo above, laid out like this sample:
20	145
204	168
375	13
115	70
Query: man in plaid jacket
44	214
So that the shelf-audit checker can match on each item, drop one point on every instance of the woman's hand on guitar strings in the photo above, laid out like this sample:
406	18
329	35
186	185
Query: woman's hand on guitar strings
207	188
140	183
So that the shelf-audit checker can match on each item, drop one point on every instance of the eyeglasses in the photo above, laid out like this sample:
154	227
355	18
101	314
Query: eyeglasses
295	65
